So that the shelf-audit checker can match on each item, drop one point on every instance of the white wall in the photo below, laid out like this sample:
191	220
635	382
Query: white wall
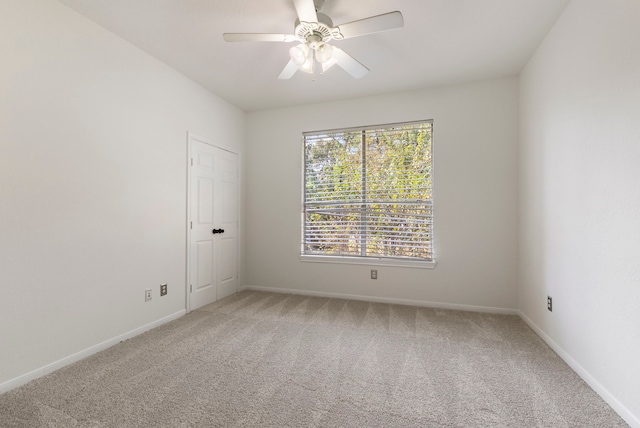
580	195
475	150
92	183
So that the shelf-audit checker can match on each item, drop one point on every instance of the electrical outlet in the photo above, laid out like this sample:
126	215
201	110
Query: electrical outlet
374	274
163	289
549	304
147	295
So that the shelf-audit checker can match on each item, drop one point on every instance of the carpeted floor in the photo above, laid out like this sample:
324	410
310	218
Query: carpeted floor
278	360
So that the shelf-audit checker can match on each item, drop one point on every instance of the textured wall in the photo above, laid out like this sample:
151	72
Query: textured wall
92	183
580	193
475	152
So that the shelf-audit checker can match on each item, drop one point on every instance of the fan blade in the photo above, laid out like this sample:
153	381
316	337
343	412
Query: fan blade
349	63
289	70
258	37
373	24
306	10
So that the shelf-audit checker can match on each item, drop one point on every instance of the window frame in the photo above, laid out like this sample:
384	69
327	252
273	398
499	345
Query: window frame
365	260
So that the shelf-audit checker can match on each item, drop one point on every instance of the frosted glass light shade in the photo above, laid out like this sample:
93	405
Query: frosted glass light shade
308	65
324	53
299	54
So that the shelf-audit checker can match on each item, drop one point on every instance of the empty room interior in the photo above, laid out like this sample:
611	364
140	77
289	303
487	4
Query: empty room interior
159	170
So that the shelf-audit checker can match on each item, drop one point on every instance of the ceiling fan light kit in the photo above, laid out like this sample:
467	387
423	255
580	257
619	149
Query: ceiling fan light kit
324	53
299	54
314	30
302	56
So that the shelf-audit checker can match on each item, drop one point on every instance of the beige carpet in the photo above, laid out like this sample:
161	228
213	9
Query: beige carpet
277	360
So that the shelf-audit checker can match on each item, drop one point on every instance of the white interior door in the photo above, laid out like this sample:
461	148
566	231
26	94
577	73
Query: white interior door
213	224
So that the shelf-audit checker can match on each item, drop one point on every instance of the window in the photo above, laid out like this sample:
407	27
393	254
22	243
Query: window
368	195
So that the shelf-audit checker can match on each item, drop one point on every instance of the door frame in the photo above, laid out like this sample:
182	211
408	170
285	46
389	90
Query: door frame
195	137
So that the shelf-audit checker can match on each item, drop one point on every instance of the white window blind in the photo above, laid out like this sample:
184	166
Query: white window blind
368	192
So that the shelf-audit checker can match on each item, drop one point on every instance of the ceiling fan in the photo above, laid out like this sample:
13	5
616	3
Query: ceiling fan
314	30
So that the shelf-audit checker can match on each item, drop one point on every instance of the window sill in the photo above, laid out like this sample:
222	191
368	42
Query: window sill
370	261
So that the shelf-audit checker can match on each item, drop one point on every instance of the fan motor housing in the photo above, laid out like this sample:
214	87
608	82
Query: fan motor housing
314	33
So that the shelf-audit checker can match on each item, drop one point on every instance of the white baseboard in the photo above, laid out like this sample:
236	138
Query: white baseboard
618	407
423	303
49	368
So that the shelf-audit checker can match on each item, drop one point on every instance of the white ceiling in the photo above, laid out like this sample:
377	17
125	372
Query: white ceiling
442	42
